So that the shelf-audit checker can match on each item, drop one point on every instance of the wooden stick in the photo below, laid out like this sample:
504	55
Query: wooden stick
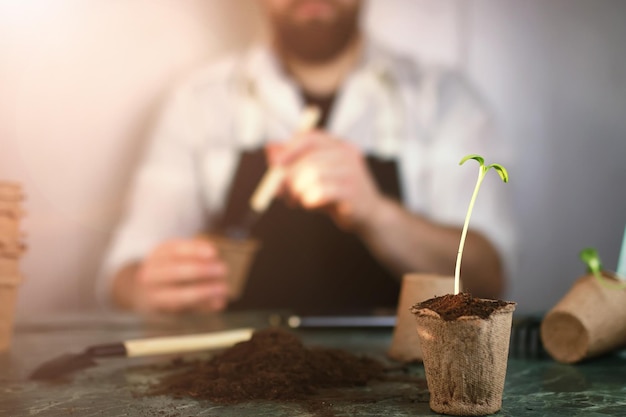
271	181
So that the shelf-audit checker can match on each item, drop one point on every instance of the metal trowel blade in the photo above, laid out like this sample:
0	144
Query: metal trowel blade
62	366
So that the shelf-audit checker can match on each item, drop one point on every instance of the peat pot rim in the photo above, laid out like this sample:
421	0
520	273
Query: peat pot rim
427	312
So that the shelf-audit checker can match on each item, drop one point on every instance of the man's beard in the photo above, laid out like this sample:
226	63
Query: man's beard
317	41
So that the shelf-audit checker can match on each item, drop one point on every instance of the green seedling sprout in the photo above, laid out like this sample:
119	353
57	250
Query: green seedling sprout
482	170
594	266
621	262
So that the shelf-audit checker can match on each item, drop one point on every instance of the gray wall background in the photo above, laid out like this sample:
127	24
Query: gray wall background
555	73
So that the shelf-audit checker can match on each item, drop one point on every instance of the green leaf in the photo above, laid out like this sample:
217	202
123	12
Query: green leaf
590	257
474	156
594	266
504	175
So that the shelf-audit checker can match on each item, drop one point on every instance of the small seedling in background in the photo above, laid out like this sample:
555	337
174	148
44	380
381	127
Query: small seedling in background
594	266
621	262
482	170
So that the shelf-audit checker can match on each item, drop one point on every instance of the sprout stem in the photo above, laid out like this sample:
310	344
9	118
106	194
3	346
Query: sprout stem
457	269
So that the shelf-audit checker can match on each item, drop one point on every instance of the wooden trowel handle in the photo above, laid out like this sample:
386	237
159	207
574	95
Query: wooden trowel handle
190	343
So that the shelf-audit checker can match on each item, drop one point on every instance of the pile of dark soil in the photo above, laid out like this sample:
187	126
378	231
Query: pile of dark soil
450	307
272	365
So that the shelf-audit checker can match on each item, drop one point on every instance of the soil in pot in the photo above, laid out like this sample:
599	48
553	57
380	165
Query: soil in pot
451	307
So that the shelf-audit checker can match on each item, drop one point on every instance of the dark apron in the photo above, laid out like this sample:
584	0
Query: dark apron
306	264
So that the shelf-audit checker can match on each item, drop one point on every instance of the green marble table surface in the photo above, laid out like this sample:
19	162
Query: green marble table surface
114	387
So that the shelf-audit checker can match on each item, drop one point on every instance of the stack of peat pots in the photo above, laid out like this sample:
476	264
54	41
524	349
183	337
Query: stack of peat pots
11	249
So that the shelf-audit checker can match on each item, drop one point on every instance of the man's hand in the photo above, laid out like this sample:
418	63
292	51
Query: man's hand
328	173
178	276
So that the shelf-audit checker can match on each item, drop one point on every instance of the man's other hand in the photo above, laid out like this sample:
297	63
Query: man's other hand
177	276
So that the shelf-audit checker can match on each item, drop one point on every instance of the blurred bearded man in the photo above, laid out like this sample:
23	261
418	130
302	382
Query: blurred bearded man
313	32
368	195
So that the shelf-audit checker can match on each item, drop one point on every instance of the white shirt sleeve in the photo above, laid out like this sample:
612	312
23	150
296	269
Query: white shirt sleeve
164	201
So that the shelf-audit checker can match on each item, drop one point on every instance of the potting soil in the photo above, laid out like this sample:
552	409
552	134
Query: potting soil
273	364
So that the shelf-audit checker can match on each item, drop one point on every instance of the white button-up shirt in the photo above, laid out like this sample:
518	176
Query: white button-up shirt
425	118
